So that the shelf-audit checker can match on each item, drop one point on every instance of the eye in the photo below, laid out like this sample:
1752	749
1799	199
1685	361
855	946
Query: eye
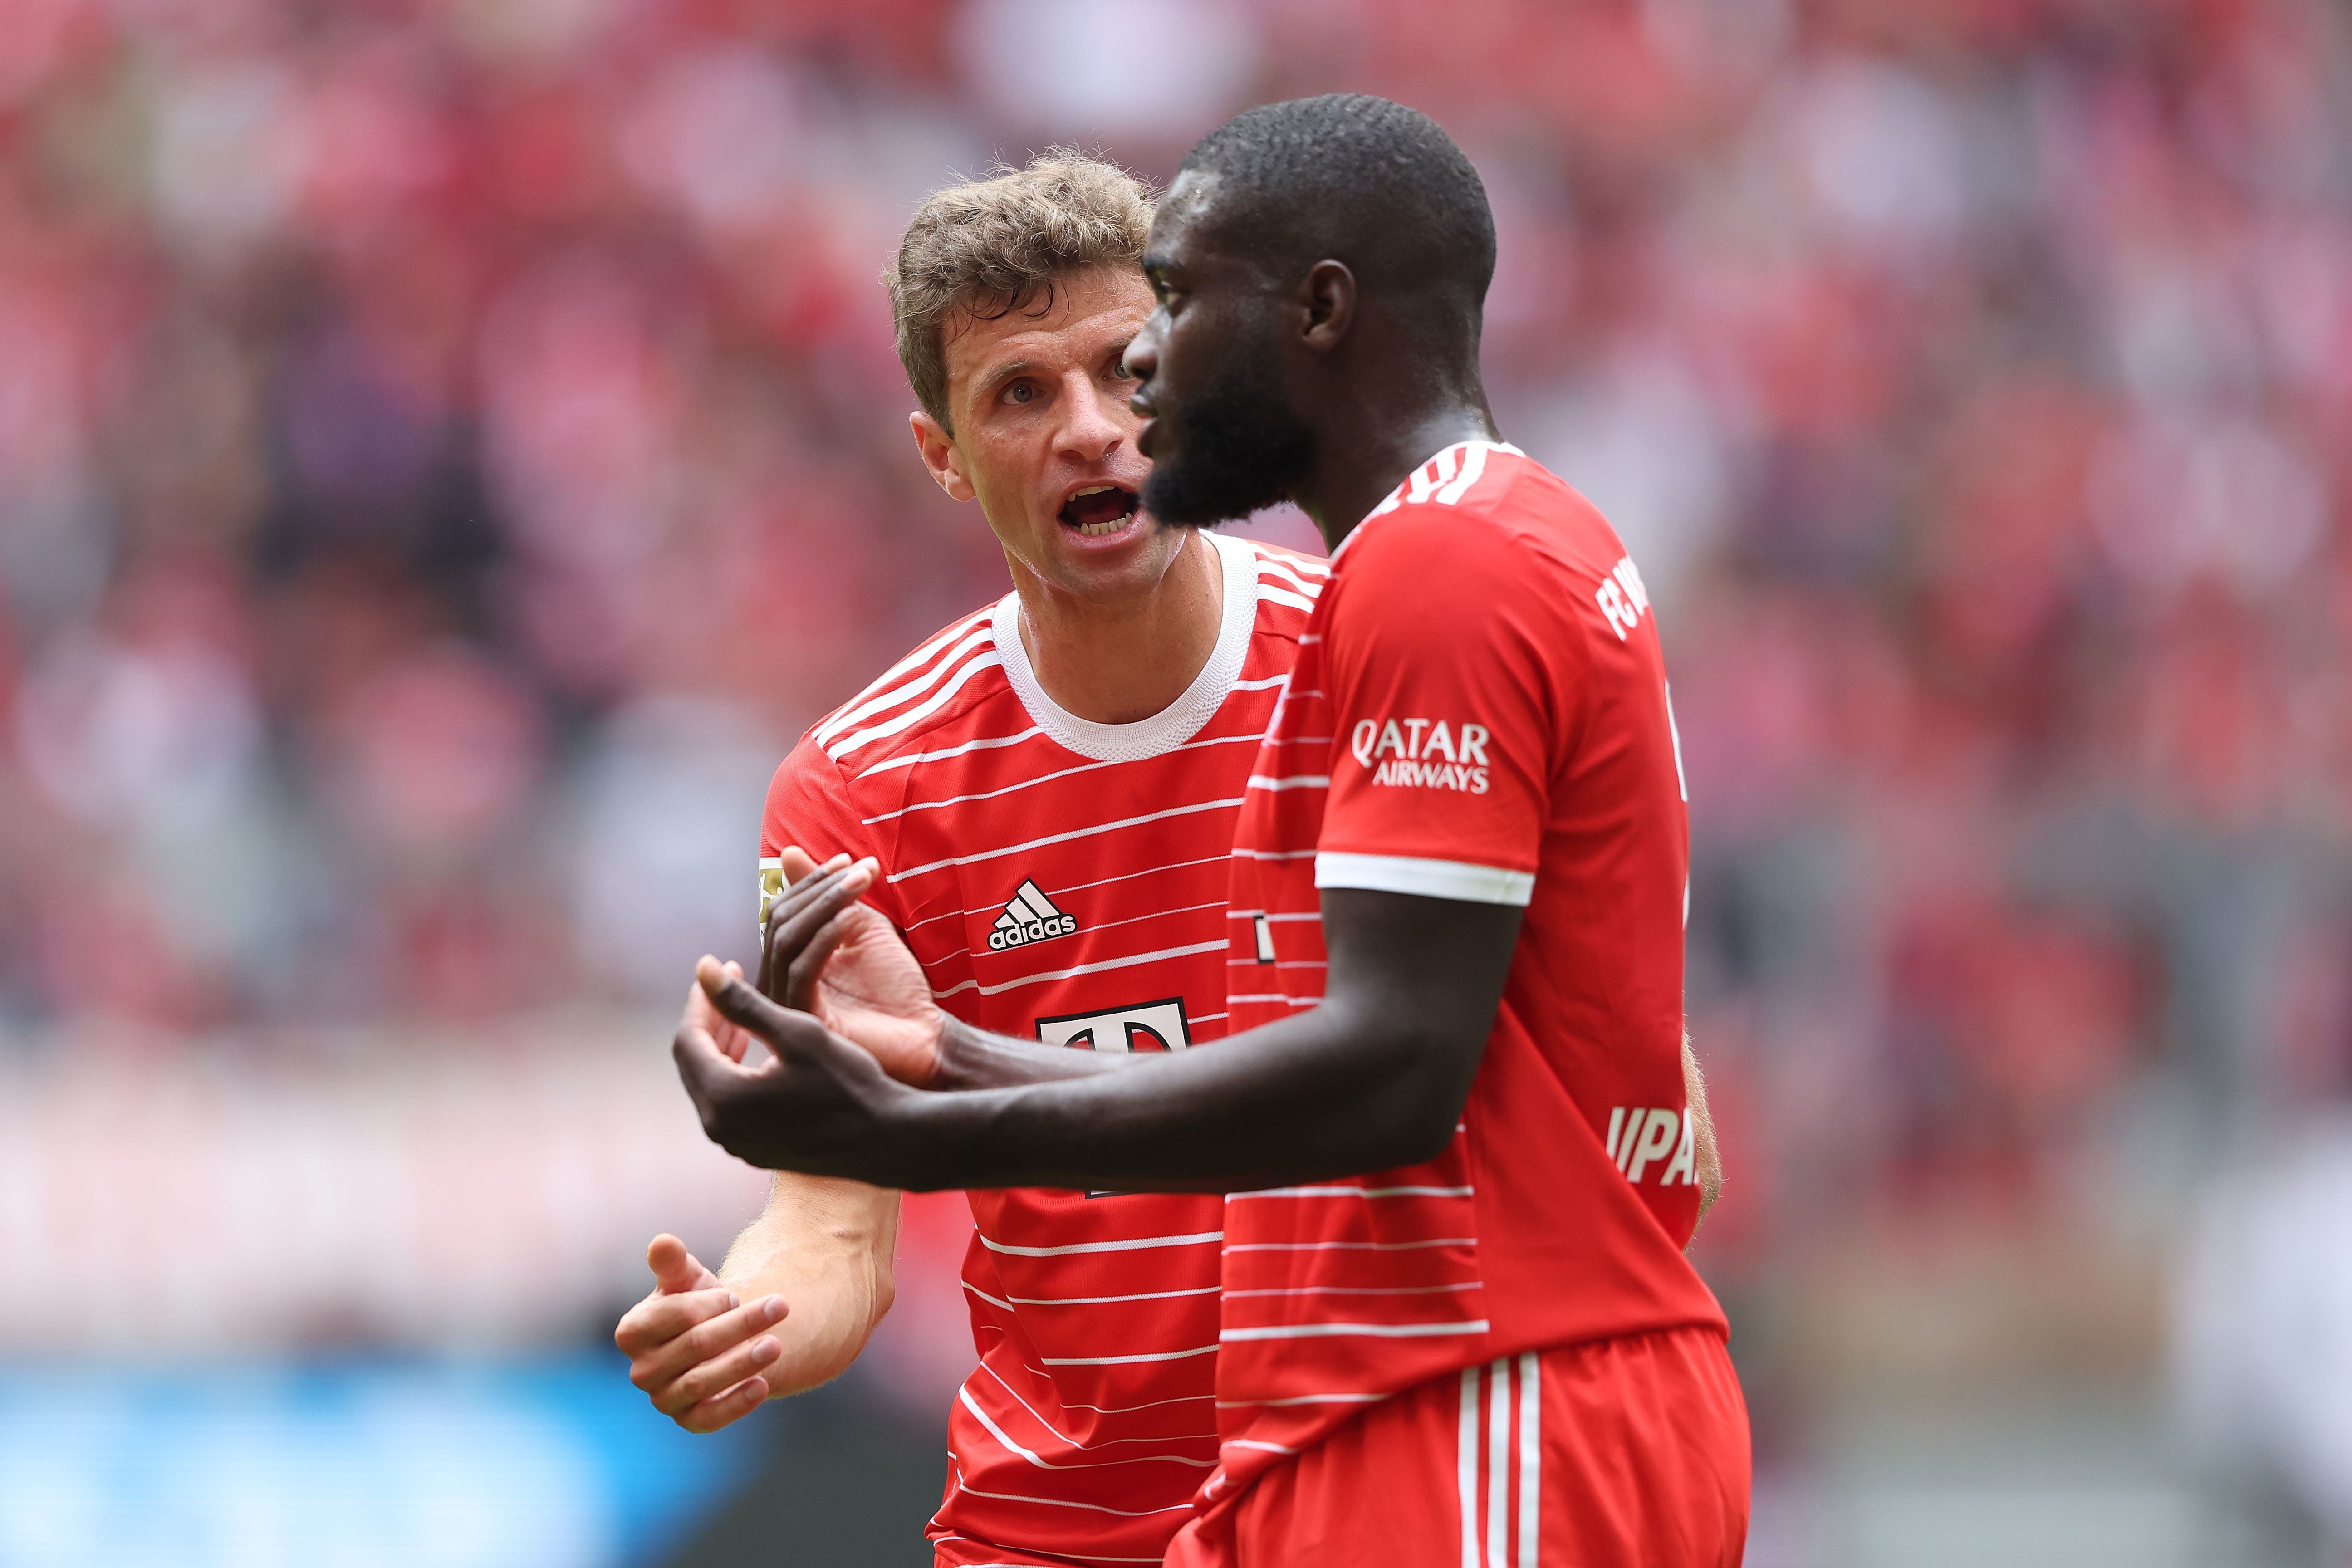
1021	391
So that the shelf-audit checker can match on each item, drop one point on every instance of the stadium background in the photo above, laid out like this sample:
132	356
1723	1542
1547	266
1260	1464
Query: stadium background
449	447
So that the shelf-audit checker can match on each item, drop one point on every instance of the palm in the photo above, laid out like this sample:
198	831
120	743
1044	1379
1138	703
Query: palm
873	992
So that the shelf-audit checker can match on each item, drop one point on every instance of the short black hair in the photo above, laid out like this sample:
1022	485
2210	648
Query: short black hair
1358	179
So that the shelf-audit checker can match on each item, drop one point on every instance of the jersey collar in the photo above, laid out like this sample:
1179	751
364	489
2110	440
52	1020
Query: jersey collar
1180	719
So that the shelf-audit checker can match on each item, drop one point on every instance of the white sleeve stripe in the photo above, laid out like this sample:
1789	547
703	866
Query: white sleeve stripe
910	759
1002	1435
1284	597
896	877
1125	1359
1130	1245
1351	1331
883	685
1293	582
1336	1192
906	691
964	1486
917	714
1100	966
1049	778
1458	879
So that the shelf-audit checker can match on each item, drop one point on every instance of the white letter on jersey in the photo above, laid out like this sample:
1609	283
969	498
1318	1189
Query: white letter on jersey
1657	1137
1685	1159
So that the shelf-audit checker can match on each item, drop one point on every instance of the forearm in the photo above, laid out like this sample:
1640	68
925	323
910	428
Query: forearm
826	1245
973	1058
1335	1090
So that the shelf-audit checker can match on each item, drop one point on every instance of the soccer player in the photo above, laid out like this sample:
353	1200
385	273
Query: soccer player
1041	798
1458	890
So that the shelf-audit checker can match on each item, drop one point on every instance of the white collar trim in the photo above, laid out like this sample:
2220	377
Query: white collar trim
1446	480
1180	719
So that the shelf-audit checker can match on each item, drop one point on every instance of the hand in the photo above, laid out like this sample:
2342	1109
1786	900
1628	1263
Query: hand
821	1106
729	1039
848	968
687	1339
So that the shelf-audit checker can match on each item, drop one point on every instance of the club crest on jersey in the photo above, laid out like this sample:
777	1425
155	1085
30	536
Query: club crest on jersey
771	882
1029	916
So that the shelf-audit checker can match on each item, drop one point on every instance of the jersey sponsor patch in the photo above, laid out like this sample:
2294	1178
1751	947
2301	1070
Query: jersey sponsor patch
1159	1026
1422	753
1029	916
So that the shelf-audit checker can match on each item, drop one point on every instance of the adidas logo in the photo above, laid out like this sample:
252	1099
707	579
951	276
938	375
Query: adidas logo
1029	917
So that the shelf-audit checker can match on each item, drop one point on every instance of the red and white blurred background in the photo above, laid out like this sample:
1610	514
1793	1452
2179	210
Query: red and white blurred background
449	447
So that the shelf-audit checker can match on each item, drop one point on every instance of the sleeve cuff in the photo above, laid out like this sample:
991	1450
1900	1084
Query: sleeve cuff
1457	880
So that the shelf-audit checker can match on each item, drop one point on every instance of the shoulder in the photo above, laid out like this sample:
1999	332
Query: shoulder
1482	524
1289	583
932	690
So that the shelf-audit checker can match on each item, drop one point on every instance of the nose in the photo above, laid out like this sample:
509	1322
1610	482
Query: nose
1143	363
1094	429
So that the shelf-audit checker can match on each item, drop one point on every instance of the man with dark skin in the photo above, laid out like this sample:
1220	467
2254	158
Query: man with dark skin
1321	268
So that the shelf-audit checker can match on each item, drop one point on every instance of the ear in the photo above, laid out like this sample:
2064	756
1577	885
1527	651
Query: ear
1330	299
940	456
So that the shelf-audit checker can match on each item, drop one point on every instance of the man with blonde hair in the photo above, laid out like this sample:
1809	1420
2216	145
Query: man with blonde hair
1041	799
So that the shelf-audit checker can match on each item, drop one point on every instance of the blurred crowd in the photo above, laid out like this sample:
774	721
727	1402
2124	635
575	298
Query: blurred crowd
448	448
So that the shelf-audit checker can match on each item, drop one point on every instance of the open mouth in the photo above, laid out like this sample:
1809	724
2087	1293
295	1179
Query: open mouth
1100	509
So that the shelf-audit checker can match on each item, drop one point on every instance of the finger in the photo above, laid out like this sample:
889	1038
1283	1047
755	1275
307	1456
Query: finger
708	1074
718	1374
791	930
655	1368
657	1320
729	1041
798	894
675	1270
818	895
721	1409
802	974
798	863
739	1004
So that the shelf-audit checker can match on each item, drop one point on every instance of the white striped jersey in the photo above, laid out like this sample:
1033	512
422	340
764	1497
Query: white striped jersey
1478	714
1066	881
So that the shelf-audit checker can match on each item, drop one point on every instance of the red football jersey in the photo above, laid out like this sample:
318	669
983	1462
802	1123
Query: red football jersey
1478	712
1065	880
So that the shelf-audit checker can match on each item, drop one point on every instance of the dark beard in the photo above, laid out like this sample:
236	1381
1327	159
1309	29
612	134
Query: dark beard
1239	449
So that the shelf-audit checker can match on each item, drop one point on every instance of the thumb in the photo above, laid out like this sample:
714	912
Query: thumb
740	1004
675	1269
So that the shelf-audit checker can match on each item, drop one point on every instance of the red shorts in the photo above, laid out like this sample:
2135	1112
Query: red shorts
1632	1455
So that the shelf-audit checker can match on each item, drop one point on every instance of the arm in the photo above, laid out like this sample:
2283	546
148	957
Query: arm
826	1248
1373	1077
796	1300
1710	1159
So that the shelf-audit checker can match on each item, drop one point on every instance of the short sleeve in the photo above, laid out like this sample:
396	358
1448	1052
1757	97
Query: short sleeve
1446	712
809	806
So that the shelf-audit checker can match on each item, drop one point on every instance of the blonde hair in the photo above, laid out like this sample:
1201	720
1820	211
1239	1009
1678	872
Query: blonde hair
986	248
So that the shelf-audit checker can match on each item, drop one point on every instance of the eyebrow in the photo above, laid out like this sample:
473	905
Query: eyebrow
996	378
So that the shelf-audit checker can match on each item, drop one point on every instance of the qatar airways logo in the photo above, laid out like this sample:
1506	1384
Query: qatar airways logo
1422	753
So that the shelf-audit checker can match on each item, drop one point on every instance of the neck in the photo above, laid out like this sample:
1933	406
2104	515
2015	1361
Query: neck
1120	663
1365	451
